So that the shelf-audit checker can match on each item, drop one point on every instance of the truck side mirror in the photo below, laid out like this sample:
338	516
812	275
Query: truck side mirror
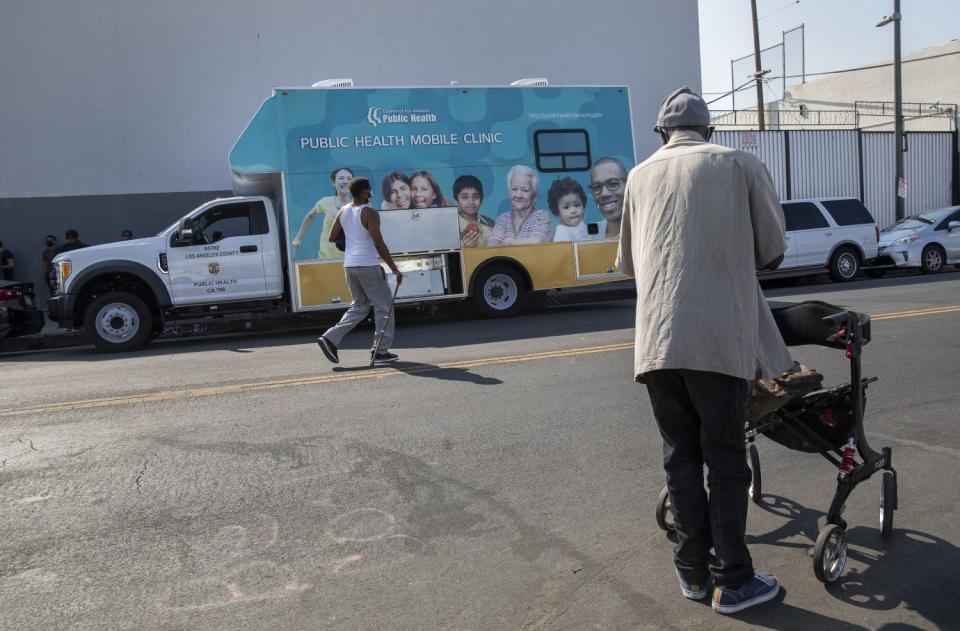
186	235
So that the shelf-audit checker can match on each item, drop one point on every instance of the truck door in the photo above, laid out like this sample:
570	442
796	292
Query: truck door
224	261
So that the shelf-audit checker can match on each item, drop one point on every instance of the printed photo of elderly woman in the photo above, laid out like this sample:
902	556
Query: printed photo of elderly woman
523	223
475	229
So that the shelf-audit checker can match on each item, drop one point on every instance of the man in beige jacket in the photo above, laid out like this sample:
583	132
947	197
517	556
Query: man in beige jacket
698	221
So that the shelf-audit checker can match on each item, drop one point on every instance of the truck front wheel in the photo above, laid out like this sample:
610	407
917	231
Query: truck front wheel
118	321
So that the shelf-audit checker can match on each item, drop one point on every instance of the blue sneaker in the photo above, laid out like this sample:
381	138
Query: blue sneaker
693	591
760	589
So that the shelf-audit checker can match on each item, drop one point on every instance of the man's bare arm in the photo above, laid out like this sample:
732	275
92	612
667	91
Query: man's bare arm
371	221
335	230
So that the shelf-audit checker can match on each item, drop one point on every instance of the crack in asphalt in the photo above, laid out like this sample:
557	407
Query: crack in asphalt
139	477
29	442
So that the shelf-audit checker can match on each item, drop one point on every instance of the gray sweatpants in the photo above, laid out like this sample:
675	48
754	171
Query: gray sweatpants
368	285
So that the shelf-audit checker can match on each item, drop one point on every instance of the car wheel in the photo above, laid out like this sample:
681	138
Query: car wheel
844	265
931	260
498	291
118	321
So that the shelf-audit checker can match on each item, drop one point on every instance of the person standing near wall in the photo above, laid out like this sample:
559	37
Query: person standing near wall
49	275
698	221
73	242
6	263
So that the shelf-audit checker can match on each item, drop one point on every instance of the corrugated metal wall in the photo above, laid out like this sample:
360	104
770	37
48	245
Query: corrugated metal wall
879	169
927	167
826	163
766	145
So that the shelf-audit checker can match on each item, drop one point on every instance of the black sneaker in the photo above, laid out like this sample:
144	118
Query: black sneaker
382	359
329	349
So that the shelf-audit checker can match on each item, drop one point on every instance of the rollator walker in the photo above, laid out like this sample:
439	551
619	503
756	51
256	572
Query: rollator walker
827	421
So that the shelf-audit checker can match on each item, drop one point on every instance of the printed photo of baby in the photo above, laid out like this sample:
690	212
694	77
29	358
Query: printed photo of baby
567	201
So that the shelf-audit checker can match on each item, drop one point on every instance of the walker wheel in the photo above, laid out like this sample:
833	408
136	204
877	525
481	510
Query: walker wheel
830	554
888	503
756	487
665	512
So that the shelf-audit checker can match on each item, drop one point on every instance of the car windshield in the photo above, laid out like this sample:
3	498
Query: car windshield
916	222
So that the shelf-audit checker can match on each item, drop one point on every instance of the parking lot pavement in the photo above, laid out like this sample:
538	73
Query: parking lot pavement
501	476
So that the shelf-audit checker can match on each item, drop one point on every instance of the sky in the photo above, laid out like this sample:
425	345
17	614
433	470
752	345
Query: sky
838	34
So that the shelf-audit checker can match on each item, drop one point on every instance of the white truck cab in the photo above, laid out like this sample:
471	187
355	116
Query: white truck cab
224	254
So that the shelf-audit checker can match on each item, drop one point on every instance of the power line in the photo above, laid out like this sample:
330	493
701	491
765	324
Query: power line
786	6
887	65
744	86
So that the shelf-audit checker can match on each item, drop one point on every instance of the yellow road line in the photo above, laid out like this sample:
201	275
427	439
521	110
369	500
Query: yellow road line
305	381
214	390
916	313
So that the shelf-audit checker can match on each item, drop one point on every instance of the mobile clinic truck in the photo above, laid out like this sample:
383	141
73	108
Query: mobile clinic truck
486	193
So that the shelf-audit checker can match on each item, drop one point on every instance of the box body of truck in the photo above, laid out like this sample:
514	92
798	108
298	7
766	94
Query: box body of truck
308	140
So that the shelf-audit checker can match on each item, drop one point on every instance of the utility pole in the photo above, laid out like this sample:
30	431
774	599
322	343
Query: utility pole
758	70
897	105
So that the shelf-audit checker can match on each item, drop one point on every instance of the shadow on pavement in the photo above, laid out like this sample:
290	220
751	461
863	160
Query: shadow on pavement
814	284
419	369
778	615
913	569
446	331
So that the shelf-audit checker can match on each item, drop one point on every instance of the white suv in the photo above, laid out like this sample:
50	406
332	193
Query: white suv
833	235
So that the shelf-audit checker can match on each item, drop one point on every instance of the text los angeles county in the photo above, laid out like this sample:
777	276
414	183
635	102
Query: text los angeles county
414	140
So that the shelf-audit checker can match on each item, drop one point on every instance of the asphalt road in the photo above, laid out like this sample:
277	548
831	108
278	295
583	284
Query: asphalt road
503	476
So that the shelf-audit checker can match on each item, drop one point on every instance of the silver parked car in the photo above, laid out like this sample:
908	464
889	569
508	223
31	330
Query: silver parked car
926	241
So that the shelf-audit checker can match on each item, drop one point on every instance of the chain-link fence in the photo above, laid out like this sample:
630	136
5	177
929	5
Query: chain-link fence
783	65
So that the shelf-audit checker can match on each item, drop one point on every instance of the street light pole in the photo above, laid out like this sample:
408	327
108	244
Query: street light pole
897	105
758	70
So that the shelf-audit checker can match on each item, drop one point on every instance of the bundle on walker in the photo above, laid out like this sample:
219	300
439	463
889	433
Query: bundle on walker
794	410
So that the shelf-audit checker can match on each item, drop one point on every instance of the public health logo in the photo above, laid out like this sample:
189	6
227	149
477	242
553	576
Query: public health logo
379	116
213	268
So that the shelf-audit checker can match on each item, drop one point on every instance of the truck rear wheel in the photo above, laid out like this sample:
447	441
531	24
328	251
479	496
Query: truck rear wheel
498	291
118	321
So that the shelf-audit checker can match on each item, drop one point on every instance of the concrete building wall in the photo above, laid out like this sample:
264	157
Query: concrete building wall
145	99
930	75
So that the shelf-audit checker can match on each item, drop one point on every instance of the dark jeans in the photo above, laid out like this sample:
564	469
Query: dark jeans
701	419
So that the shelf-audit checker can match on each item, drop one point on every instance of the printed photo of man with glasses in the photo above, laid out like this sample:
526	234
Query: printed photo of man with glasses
607	179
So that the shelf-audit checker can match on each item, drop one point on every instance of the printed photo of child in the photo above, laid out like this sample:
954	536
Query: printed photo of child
567	199
475	229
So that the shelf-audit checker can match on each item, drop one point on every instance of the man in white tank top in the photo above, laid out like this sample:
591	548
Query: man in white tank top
360	224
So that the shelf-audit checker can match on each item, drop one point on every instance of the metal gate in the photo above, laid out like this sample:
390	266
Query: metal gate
854	163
